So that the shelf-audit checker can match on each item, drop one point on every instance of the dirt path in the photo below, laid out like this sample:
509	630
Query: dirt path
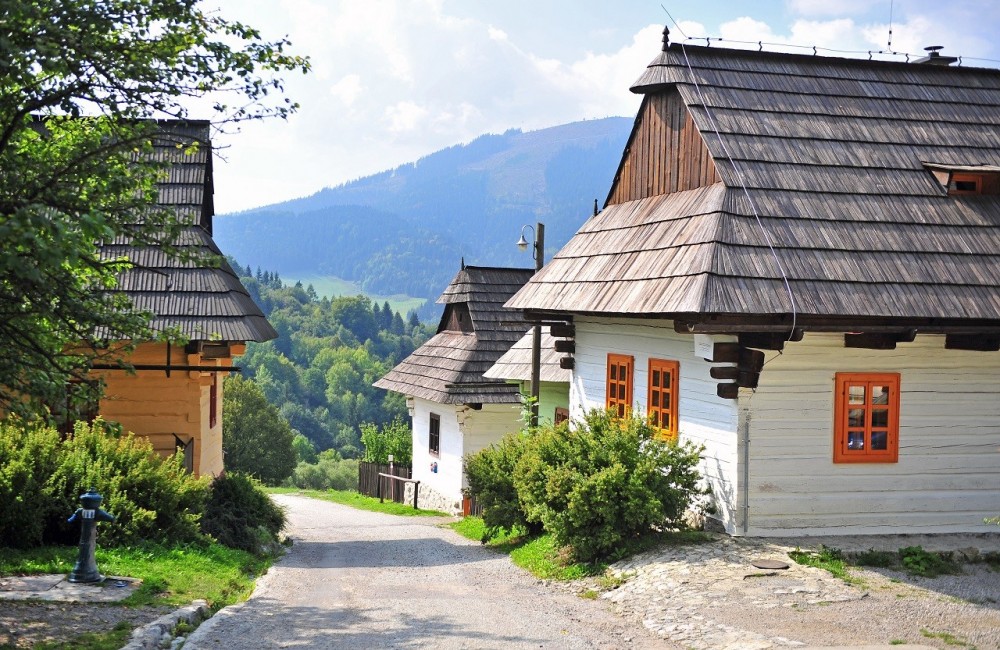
360	579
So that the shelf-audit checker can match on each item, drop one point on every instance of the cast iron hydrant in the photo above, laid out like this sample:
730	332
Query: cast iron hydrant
86	562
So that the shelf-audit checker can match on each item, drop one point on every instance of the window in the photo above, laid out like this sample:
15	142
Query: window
562	415
434	445
663	397
213	401
966	184
866	426
81	404
619	384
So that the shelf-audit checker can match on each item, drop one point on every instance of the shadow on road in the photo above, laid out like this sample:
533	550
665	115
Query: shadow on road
383	553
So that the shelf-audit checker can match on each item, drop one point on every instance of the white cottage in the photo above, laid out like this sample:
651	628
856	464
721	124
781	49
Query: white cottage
457	411
797	266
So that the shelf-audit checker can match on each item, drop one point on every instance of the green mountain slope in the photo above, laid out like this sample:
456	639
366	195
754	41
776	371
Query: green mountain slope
405	230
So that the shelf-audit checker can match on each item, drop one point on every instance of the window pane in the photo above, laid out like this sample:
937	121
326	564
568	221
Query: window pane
856	395
666	380
654	399
880	394
621	392
880	418
656	379
621	410
856	417
855	439
880	440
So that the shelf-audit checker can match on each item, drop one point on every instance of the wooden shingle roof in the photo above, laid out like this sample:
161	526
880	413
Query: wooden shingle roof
202	298
449	368
515	363
828	160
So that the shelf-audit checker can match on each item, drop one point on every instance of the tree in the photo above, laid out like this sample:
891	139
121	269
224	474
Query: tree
256	439
81	85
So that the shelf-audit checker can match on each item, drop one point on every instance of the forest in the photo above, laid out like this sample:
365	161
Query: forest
320	369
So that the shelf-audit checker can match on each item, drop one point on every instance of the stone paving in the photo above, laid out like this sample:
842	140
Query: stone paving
55	587
672	590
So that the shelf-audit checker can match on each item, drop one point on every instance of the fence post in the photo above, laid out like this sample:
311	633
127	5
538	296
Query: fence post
416	491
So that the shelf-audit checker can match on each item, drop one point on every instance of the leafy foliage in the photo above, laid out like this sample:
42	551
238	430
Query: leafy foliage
596	486
491	478
394	438
69	182
329	354
919	562
605	481
240	515
256	439
329	472
41	478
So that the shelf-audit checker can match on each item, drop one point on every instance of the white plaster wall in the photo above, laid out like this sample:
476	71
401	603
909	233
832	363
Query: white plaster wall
464	431
947	478
447	481
704	418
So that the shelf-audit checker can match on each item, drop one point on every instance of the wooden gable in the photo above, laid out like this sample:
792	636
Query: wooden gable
665	152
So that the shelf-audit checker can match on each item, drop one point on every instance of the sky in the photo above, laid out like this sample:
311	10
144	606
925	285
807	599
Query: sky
394	80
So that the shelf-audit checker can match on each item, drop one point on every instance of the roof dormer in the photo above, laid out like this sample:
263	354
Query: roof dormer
960	180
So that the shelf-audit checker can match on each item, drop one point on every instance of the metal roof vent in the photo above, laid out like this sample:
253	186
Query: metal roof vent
934	56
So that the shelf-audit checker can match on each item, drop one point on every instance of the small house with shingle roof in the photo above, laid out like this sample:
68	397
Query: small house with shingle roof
515	366
174	397
798	266
456	410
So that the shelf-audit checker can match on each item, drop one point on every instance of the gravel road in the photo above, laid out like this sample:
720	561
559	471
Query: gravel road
356	579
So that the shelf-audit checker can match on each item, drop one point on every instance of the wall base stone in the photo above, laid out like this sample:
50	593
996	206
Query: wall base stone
431	499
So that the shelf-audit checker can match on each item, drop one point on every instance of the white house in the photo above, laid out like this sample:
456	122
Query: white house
553	380
798	266
457	411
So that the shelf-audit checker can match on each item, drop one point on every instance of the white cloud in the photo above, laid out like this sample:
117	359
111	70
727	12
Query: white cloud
496	34
404	116
347	89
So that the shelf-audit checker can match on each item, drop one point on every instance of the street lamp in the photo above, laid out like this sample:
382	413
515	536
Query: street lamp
538	253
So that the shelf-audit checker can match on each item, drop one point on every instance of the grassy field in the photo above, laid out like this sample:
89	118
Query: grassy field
359	501
332	286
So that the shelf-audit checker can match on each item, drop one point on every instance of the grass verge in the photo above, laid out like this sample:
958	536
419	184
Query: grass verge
170	575
829	559
541	556
359	501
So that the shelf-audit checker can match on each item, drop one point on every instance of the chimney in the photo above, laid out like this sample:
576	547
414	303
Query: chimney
934	56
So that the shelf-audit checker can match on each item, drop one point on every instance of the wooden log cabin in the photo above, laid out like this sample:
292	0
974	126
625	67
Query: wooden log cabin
174	397
455	409
797	267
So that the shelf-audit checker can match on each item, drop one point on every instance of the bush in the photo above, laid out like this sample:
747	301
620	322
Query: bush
28	457
240	515
491	478
328	473
394	438
605	481
42	477
257	440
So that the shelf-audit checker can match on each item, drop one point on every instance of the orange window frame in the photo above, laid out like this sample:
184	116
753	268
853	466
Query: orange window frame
618	383
866	418
663	396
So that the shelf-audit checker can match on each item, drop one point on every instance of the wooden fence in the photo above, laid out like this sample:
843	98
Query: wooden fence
368	480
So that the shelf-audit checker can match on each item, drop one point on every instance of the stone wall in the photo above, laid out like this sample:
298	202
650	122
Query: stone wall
431	499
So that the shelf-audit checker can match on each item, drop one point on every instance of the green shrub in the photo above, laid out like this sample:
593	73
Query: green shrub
152	498
491	478
239	514
919	562
393	438
605	481
42	477
328	473
28	457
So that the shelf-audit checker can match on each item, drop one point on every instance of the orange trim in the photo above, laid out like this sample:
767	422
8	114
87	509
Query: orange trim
663	397
618	383
866	418
975	179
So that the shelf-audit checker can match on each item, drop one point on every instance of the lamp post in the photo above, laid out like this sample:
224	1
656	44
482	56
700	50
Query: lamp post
538	252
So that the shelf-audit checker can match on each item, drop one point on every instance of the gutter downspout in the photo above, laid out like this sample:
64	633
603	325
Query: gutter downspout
744	427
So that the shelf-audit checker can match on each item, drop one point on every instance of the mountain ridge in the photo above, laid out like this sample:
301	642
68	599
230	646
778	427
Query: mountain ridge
405	230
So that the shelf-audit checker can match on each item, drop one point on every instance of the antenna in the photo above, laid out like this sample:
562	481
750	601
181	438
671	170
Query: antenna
890	25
